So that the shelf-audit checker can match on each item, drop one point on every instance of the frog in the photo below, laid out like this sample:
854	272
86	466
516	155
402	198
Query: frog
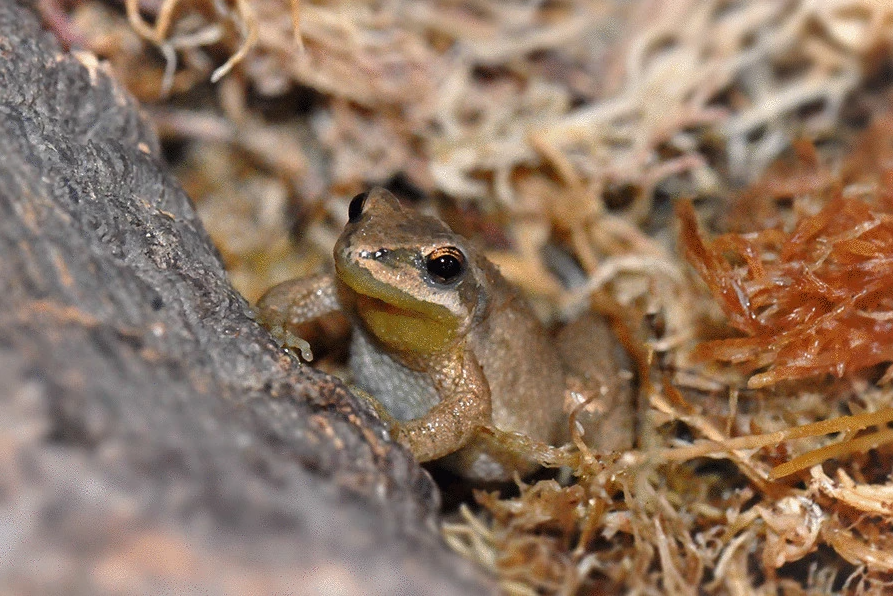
452	354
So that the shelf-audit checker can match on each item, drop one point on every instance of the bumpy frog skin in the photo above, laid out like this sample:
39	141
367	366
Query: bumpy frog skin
447	345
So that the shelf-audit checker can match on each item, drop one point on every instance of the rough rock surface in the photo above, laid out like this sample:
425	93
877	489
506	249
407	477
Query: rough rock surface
152	437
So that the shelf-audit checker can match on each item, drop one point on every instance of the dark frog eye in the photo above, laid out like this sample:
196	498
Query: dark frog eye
445	264
355	210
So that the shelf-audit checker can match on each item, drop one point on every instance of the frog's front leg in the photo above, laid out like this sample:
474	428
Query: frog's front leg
454	421
286	306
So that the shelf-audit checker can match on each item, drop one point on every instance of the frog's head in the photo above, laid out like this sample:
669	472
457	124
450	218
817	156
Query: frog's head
412	281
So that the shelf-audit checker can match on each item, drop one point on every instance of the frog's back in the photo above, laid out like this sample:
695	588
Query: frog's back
522	367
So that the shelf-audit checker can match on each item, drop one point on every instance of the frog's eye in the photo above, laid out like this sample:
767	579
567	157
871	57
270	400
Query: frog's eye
355	210
445	264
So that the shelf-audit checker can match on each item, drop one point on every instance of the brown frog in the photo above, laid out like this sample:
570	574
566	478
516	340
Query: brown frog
448	347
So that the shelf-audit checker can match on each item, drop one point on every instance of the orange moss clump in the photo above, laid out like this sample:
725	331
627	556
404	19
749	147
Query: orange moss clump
814	301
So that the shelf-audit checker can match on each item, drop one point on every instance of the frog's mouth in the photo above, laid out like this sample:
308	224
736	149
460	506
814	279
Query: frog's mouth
395	318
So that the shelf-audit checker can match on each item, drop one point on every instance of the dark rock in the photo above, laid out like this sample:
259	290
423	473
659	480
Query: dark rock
153	438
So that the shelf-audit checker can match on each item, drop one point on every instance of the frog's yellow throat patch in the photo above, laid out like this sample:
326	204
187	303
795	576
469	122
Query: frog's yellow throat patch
397	319
405	329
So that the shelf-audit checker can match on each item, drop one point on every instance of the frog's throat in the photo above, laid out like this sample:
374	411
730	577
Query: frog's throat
398	320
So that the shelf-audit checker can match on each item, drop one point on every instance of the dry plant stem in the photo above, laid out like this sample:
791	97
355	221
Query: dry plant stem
726	561
817	456
158	34
553	156
249	22
868	498
155	34
842	424
296	24
472	538
753	470
858	552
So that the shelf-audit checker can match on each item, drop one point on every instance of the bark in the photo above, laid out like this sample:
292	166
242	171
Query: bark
153	438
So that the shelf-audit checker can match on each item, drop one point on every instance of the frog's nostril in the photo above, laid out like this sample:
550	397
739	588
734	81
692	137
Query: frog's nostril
375	255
